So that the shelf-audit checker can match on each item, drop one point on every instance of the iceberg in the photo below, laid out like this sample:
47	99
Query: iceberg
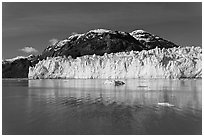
175	63
114	82
165	104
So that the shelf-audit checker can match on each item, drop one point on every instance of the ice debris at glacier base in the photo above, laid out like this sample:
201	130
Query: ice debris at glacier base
181	62
114	82
165	104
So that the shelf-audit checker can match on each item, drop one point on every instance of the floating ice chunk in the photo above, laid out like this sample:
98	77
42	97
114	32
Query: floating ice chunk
114	82
166	104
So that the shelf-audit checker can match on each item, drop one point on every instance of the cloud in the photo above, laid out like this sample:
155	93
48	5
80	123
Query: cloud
29	50
53	41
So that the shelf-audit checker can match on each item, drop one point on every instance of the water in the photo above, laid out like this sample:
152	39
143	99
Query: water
90	107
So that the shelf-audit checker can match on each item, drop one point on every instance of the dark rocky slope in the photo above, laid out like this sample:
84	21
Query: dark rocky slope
15	69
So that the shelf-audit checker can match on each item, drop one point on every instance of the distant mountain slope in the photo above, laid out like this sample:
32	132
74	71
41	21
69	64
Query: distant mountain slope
17	67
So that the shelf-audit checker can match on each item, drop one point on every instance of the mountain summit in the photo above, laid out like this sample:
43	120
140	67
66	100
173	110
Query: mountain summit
100	41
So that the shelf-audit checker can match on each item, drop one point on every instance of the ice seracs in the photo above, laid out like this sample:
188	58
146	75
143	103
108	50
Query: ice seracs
185	62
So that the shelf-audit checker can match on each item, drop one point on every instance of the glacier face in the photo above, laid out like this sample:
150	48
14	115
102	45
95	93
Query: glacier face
181	62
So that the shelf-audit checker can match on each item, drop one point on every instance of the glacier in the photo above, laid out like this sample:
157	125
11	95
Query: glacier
174	63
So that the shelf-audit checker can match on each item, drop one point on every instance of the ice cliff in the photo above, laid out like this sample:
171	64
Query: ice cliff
177	62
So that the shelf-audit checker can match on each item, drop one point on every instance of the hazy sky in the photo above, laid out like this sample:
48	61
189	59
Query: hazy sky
33	25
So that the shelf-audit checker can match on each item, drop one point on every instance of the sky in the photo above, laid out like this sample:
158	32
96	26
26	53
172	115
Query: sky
28	28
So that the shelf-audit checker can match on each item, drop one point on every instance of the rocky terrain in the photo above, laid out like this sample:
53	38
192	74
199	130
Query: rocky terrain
17	67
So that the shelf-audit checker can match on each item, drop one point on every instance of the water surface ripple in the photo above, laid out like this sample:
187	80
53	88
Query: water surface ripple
77	106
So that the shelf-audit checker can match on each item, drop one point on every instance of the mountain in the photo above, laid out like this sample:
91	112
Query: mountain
102	41
17	67
98	42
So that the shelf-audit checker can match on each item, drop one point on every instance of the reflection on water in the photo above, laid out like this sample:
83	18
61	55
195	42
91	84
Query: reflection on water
90	107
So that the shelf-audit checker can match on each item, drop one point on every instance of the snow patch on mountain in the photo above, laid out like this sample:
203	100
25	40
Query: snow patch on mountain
75	36
16	58
185	62
139	31
100	31
142	35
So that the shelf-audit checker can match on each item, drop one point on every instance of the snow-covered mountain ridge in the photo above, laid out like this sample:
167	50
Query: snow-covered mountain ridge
185	62
100	41
17	67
